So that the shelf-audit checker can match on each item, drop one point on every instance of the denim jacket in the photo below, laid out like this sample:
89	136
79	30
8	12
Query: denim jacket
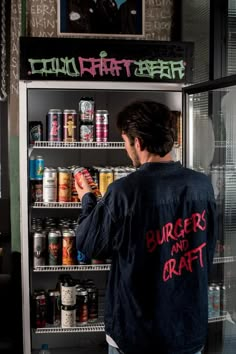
158	225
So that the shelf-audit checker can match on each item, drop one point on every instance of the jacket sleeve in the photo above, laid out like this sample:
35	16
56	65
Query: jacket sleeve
96	229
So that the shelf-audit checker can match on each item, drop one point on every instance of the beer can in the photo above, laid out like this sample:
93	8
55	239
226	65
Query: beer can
216	303
39	309
81	170
86	133
35	131
68	247
81	306
53	307
92	303
101	125
74	194
38	191
86	109
39	167
49	185
39	248
69	125
81	258
54	247
105	178
68	292
32	168
119	172
64	185
211	310
68	316
54	125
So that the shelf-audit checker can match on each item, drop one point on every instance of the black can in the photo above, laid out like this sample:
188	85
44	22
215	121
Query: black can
35	131
54	125
92	303
39	309
81	306
53	308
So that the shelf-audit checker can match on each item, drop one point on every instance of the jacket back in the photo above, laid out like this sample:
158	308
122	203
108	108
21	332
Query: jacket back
158	225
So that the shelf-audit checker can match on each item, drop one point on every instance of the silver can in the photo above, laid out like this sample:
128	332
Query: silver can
86	133
50	185
39	248
86	109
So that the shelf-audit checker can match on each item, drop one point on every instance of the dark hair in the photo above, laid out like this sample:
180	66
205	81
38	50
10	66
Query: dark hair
151	122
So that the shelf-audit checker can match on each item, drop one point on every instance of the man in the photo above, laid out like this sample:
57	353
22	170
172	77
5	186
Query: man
158	226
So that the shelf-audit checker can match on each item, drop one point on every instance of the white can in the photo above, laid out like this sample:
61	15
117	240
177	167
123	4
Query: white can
49	185
68	316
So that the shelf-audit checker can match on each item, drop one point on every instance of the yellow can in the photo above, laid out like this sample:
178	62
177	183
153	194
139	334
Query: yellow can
105	178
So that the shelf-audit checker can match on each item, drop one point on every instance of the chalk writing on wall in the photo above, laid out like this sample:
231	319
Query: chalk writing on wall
42	18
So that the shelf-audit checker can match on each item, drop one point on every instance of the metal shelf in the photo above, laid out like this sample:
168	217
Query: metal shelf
228	259
73	268
98	327
217	319
56	205
77	145
95	327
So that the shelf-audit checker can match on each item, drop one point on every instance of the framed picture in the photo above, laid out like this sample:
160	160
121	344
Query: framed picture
101	18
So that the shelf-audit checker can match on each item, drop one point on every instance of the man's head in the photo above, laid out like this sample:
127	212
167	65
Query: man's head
148	124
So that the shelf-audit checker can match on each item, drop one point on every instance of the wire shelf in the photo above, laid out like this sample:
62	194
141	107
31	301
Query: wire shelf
217	319
228	259
73	268
57	205
77	145
95	327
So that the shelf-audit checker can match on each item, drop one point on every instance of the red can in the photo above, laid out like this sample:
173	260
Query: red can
69	125
102	126
81	170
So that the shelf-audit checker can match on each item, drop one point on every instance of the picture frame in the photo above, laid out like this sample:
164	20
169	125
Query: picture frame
101	18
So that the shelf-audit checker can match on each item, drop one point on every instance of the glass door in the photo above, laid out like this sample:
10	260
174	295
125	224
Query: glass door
209	111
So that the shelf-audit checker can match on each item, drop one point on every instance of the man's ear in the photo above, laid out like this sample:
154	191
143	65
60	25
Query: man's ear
138	143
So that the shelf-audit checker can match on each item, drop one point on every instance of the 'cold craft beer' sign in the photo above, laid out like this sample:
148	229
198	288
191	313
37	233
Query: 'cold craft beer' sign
105	60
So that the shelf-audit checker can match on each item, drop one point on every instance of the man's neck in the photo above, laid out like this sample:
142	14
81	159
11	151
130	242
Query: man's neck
148	157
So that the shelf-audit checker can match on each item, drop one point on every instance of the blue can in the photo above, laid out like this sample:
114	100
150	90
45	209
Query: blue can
32	168
39	167
81	258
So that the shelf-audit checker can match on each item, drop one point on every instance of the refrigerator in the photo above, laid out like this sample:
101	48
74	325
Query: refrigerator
209	129
36	99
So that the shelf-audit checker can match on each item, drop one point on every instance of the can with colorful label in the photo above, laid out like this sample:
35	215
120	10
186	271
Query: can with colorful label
81	170
105	178
69	125
39	248
86	109
39	167
101	126
35	131
86	133
68	247
54	125
54	247
64	185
